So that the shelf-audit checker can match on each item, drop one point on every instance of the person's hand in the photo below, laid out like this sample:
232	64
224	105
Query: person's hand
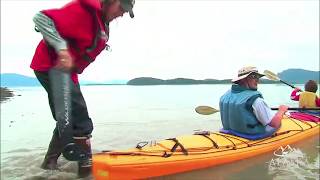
283	108
64	61
297	89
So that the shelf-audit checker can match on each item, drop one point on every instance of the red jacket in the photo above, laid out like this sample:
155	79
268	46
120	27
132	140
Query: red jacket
80	24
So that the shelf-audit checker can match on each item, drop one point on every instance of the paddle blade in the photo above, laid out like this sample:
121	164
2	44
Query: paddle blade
206	110
270	75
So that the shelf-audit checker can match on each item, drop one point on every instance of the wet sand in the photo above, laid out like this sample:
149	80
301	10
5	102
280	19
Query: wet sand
5	94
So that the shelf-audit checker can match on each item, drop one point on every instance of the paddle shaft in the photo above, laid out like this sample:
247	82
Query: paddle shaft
287	84
292	108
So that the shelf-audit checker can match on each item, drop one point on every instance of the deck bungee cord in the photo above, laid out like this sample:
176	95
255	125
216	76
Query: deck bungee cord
236	143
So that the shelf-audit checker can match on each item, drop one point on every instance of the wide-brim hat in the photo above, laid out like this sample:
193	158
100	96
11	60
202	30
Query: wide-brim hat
127	5
245	72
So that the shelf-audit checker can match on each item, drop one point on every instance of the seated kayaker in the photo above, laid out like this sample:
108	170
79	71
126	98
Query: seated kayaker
243	109
307	98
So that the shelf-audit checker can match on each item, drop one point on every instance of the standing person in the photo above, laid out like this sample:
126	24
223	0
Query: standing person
244	110
73	36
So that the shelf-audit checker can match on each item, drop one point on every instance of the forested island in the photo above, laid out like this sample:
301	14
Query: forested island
183	81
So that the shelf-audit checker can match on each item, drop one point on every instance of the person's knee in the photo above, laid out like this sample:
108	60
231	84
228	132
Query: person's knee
83	128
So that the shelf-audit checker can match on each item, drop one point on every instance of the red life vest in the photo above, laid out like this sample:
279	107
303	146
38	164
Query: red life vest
80	24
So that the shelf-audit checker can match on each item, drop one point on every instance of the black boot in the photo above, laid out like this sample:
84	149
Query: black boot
53	153
85	166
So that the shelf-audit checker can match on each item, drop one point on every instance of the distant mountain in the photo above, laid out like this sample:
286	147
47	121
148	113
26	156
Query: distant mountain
294	76
299	76
11	79
146	81
177	81
182	81
14	80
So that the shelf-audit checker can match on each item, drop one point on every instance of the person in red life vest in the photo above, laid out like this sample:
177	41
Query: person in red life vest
308	98
73	36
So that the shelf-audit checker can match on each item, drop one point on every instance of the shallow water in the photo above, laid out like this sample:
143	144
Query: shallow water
126	115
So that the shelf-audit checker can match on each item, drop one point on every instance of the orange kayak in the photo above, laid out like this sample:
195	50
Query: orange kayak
197	151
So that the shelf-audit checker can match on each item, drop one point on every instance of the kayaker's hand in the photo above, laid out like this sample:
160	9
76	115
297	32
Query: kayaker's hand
297	89
283	108
64	61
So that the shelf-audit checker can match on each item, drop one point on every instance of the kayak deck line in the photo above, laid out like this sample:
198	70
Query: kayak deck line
207	148
201	149
204	149
193	151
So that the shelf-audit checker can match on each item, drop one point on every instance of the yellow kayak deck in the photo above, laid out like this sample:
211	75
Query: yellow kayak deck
190	152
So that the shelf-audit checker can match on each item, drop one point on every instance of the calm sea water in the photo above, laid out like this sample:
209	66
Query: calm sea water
125	115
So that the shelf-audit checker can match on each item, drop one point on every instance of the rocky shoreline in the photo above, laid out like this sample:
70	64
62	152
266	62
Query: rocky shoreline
5	94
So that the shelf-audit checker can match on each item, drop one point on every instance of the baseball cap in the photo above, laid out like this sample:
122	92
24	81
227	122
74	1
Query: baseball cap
127	5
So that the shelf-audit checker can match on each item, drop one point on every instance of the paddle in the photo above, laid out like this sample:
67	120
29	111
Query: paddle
272	76
207	110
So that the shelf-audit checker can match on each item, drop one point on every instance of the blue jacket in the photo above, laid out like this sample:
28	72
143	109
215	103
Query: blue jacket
237	113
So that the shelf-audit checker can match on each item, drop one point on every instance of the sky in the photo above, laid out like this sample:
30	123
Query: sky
168	39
